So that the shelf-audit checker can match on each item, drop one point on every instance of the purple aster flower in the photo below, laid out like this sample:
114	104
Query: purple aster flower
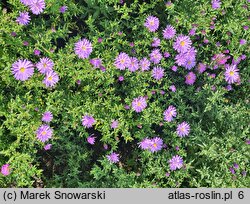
5	169
232	170
45	65
121	78
220	58
47	116
243	41
144	64
169	32
244	173
122	61
23	18
139	104
91	140
155	56
192	32
145	144
96	62
152	23
182	44
201	68
37	52
236	166
170	113
13	34
44	133
156	42
63	9
175	163
37	6
22	69
83	48
172	88
51	78
113	157
134	64
166	54
157	73
232	74
174	68
114	124
156	144
47	147
26	2
88	121
215	4
183	129
190	63
25	43
190	78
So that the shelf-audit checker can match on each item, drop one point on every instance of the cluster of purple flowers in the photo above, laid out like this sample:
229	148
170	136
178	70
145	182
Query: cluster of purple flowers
36	7
23	69
44	132
153	145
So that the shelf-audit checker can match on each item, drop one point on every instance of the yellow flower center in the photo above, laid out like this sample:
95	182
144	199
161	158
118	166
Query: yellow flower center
84	48
22	69
155	145
45	65
122	61
231	73
182	43
43	132
189	62
151	23
50	78
139	104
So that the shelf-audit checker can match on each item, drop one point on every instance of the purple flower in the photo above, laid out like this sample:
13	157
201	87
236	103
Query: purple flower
145	144
182	44
121	78
220	58
155	56
96	62
47	116
172	88
175	163
215	4
236	166
23	18
144	64
152	23
166	54
51	78
190	63
243	41
47	147
122	61
169	32
139	104
170	113
190	78
134	64
5	169
201	68
113	157
192	32
157	73
83	48
232	170
37	52
183	129
25	43
22	69
45	65
88	121
44	133
174	68
26	2
63	9
114	124
91	140
156	144
36	6
156	42
232	74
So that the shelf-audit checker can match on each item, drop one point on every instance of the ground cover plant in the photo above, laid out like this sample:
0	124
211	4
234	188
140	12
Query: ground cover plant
97	93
